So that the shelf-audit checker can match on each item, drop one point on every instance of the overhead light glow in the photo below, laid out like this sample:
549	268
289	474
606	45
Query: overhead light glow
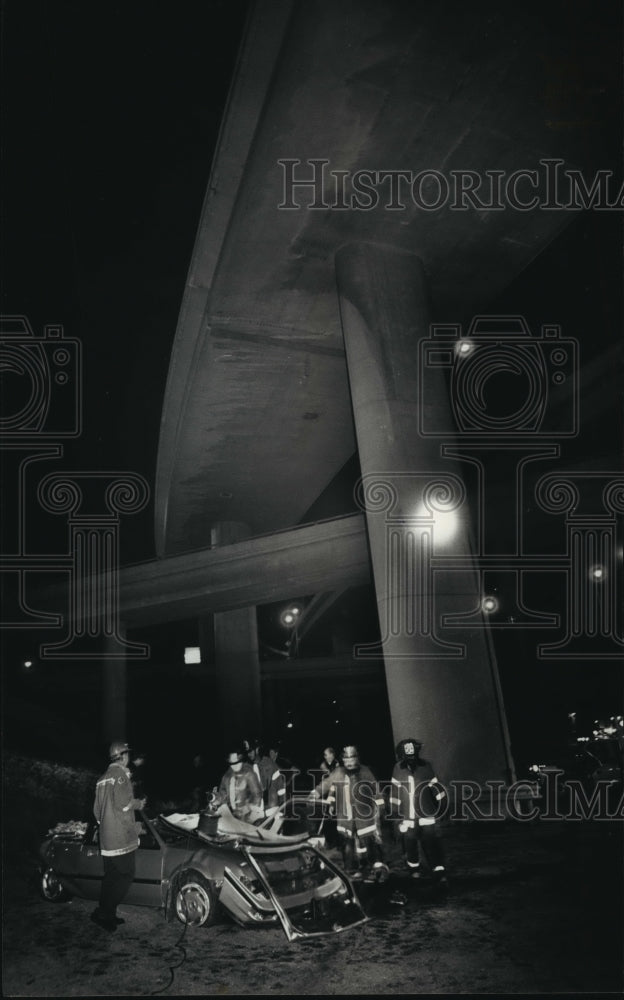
446	525
443	522
289	615
597	572
192	654
489	604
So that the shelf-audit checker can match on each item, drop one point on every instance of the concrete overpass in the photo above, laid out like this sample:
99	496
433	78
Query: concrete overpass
300	337
327	556
389	86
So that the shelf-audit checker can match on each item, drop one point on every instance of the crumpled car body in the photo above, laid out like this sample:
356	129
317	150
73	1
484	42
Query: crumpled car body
255	874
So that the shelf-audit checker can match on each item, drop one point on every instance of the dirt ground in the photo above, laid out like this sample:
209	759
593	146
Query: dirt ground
531	908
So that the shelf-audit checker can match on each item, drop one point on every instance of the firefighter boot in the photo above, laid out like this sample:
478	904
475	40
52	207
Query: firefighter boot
411	853
377	871
432	847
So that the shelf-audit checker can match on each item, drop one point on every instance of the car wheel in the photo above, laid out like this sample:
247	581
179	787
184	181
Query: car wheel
195	900
51	887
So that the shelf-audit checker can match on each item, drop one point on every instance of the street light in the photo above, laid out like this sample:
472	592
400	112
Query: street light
290	615
289	618
489	604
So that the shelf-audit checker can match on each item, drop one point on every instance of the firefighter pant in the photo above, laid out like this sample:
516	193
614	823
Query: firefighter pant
118	877
428	838
357	852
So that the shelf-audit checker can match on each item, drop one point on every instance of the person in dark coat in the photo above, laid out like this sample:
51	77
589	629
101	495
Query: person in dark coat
330	761
200	784
261	763
327	826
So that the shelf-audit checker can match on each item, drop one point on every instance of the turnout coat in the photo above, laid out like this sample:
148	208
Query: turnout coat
355	800
416	794
114	811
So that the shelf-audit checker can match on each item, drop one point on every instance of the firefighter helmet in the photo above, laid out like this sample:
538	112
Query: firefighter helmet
409	749
350	757
117	749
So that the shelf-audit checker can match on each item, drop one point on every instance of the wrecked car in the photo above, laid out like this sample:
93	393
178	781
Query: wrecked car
194	867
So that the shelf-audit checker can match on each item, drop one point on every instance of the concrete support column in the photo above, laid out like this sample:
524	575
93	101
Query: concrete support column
442	689
114	689
236	657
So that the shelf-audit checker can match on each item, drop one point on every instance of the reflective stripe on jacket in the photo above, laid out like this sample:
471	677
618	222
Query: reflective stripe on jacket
276	795
356	800
415	794
114	810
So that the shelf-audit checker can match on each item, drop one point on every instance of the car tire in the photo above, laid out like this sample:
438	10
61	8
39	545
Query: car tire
194	900
51	887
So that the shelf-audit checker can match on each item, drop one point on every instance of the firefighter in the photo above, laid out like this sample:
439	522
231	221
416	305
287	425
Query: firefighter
352	790
241	790
416	797
114	809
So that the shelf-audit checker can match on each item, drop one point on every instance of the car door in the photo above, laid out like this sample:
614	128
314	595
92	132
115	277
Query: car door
90	867
146	887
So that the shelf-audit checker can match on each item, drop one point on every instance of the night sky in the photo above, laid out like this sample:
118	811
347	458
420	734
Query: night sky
111	114
111	117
